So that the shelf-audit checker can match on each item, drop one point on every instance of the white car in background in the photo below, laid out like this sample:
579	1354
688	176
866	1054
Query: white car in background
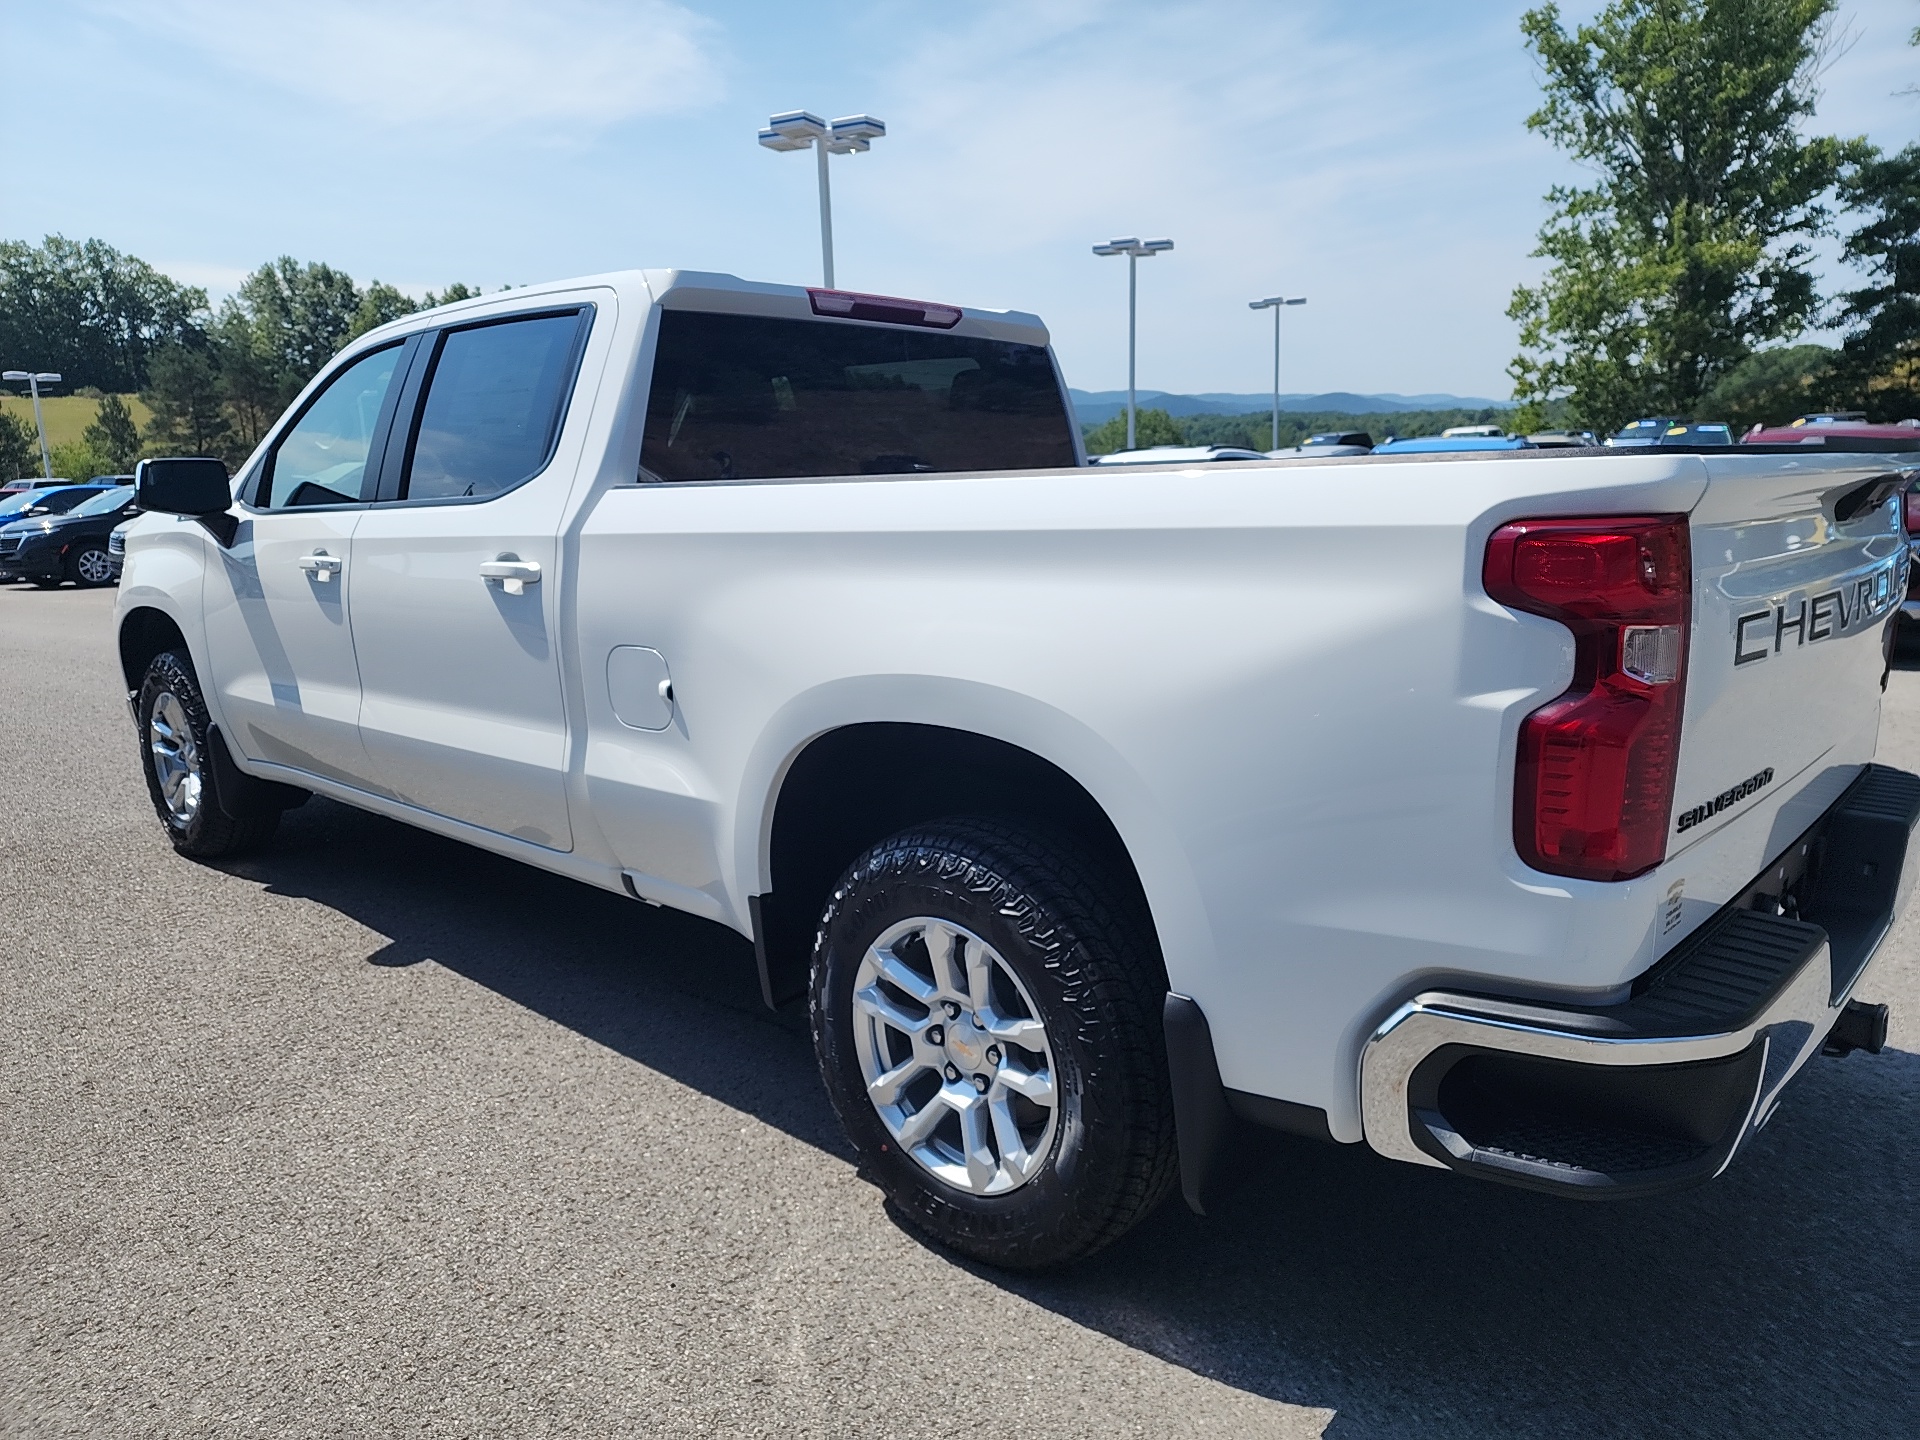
1176	455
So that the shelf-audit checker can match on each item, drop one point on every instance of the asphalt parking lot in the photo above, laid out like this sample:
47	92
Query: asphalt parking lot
375	1134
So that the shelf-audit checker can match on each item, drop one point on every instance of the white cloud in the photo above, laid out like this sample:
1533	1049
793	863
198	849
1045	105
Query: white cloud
1280	146
489	65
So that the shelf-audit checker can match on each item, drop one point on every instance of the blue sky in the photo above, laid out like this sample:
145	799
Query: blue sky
1369	154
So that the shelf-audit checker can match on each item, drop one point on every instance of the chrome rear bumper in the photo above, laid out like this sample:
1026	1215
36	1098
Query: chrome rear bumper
1661	1090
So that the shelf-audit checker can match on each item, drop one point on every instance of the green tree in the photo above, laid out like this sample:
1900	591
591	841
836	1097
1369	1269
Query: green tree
459	290
1770	387
1151	427
1880	360
184	393
297	316
88	311
380	303
113	435
254	384
78	460
19	448
1692	248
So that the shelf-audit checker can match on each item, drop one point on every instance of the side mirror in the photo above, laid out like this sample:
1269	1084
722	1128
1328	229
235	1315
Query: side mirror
198	489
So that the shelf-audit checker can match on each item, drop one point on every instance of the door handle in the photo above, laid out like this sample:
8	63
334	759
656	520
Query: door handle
513	573
321	565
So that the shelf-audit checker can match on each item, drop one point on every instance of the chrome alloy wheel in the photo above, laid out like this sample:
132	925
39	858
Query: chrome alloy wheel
93	567
176	758
955	1056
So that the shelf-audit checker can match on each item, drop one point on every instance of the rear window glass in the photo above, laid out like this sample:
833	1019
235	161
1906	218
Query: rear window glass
494	404
745	397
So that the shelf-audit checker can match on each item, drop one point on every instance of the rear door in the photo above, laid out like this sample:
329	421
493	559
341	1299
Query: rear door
276	609
453	586
1796	578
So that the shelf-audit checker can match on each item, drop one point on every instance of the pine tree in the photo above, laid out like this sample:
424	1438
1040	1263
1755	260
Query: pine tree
183	391
113	436
19	448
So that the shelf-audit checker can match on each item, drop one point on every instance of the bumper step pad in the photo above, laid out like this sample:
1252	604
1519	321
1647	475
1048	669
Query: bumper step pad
1660	1090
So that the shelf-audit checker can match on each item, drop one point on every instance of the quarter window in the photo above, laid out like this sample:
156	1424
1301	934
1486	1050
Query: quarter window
495	399
322	460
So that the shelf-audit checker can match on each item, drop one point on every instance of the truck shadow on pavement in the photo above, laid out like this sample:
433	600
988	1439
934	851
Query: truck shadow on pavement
1778	1300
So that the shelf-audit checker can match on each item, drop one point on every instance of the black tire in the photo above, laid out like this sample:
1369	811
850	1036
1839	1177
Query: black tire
94	558
1086	958
204	829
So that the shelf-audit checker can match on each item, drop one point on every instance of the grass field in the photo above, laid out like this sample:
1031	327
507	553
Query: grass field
68	415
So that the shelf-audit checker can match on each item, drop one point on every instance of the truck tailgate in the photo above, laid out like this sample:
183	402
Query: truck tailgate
1796	576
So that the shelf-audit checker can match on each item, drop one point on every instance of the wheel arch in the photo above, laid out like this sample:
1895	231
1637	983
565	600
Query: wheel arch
837	788
146	631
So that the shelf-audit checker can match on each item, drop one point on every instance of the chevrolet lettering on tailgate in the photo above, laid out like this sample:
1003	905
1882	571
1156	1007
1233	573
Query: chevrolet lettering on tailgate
1806	619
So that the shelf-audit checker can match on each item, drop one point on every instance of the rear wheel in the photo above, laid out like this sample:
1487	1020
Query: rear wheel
176	754
90	567
986	1016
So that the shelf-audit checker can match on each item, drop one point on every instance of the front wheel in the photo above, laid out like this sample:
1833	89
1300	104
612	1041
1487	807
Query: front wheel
986	1016
176	754
90	567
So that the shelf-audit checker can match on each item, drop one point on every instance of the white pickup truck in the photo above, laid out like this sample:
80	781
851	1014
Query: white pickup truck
1513	814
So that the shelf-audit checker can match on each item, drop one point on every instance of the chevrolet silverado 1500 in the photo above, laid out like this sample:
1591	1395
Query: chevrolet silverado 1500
1514	814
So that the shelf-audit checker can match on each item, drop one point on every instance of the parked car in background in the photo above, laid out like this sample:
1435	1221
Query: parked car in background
1472	432
1323	447
1452	444
1563	439
1670	430
1176	455
50	549
58	500
117	546
29	482
1849	426
1636	433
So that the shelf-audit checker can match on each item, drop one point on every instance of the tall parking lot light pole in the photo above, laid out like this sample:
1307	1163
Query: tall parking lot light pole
849	135
1135	251
1273	303
35	379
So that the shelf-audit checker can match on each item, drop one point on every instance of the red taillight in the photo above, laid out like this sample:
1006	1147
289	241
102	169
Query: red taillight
850	305
1594	788
1910	510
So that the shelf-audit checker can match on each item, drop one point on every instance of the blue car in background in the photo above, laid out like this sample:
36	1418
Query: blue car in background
47	500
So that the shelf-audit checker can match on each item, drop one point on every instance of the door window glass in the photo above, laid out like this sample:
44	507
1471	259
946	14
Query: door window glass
495	400
758	397
322	460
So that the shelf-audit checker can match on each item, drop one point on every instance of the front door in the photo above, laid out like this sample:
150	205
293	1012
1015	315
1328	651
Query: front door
455	606
279	636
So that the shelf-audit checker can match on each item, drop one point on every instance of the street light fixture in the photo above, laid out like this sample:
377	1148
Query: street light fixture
849	135
1273	303
35	379
1135	251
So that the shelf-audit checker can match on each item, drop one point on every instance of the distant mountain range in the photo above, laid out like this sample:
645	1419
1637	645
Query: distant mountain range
1095	406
